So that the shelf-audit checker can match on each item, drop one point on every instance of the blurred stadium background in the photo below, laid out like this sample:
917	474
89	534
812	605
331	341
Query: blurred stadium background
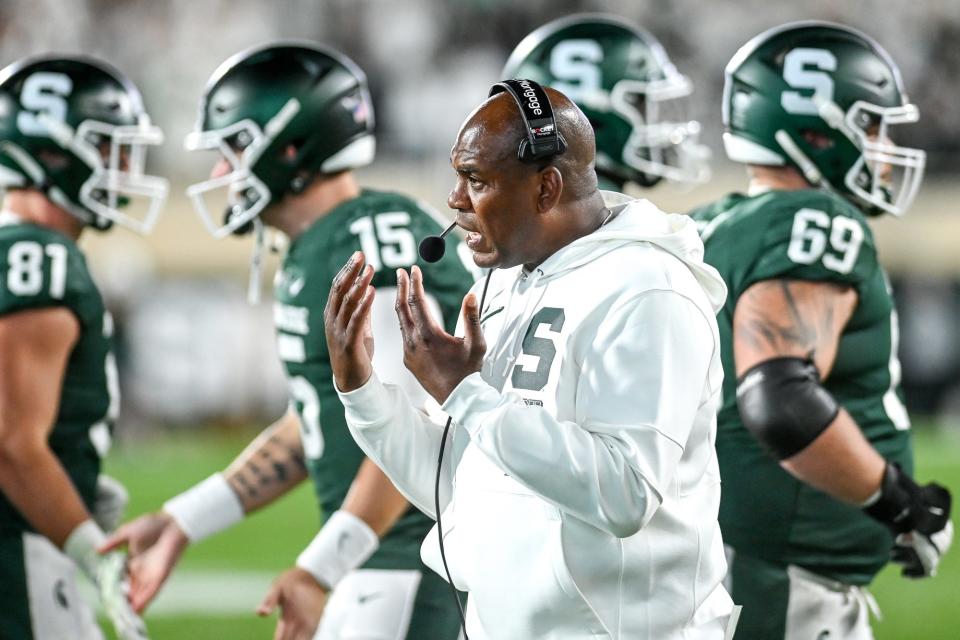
198	368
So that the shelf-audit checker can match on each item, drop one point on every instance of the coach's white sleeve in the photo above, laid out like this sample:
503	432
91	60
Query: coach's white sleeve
401	440
642	378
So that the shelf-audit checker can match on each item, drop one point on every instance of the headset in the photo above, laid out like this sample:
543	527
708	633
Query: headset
543	142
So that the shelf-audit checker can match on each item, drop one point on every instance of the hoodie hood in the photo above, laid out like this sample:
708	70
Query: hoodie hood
640	221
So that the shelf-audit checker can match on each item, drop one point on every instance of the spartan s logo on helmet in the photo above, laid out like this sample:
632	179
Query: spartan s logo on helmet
824	98
76	128
621	78
279	115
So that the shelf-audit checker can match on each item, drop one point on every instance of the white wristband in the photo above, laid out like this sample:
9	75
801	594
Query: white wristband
81	547
344	543
205	509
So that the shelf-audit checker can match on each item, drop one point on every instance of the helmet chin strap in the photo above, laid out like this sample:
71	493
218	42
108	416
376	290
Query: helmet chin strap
809	170
256	262
27	164
39	178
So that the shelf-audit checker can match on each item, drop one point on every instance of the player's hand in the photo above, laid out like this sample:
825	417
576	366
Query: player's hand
155	543
110	502
138	535
346	320
301	600
437	359
919	550
108	574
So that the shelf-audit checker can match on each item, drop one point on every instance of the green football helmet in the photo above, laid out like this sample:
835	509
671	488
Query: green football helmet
76	129
621	78
824	98
279	115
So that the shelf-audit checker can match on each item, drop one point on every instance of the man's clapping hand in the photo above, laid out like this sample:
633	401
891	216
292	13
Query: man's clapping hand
437	359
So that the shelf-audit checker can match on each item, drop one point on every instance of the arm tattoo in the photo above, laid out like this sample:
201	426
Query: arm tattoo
245	485
771	320
281	463
292	455
255	470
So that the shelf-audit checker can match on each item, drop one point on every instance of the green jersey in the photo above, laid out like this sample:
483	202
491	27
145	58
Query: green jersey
386	227
764	511
40	268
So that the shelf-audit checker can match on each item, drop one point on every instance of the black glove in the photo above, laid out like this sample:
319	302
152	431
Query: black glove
918	517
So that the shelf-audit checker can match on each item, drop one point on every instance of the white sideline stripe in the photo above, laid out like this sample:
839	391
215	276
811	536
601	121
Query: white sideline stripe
207	593
213	592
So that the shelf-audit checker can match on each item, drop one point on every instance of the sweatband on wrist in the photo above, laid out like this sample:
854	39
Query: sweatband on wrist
205	509
344	543
81	547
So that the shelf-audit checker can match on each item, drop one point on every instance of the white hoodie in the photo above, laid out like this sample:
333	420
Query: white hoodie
580	488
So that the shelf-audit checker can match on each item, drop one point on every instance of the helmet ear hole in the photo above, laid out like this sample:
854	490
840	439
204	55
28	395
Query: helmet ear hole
290	153
292	156
299	182
817	139
53	160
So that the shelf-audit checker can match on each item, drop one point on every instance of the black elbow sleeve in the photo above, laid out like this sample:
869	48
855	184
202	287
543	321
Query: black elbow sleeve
784	406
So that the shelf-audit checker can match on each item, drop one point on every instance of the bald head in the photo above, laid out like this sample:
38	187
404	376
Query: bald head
521	212
499	123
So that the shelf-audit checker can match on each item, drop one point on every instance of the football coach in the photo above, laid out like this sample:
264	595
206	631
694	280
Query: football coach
577	489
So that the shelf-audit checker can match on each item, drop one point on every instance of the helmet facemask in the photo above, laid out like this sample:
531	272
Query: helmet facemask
886	177
663	142
246	195
118	190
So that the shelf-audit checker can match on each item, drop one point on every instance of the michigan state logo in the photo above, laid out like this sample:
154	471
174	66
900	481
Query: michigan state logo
542	348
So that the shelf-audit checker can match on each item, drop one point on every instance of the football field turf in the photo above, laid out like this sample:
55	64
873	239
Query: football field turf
219	582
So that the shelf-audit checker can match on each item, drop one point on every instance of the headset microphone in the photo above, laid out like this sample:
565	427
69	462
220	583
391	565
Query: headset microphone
432	248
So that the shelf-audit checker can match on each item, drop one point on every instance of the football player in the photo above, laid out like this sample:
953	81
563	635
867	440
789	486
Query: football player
814	439
291	122
73	137
621	78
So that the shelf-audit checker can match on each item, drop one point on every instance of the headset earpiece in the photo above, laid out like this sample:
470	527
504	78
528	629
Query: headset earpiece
543	141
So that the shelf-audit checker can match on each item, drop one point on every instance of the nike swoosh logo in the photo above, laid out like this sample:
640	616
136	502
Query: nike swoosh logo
363	599
342	541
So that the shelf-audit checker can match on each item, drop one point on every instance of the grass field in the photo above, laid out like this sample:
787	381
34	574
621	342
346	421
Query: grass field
223	578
